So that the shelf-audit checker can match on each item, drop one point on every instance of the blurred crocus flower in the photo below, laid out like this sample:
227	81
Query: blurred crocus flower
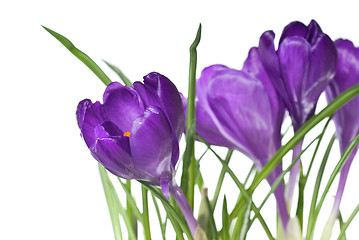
300	69
346	119
241	110
134	134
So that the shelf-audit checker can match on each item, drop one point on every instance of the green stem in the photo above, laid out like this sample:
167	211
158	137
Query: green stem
111	203
146	221
188	170
220	180
346	224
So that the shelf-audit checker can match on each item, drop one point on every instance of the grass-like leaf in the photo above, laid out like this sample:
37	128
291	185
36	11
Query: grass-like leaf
311	218
123	77
188	170
111	203
171	212
247	196
334	173
225	220
146	219
162	225
332	107
347	223
81	56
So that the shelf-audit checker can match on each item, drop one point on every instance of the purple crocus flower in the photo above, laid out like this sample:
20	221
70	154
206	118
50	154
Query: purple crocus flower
134	134
300	70
241	110
346	119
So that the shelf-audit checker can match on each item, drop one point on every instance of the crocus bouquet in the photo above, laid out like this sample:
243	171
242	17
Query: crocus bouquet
135	133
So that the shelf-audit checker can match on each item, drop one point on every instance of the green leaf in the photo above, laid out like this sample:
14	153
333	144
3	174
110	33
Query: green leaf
188	170
311	218
245	193
347	223
123	77
220	180
225	220
81	56
281	177
115	202
146	220
334	173
131	201
111	203
162	225
245	222
174	217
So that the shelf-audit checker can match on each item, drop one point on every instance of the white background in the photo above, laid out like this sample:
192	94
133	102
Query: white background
49	183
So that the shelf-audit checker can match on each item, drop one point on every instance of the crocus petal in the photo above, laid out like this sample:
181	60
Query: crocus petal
323	63
150	142
122	106
81	110
314	32
148	95
111	154
170	99
207	129
270	62
93	115
253	65
112	87
294	29
346	76
233	96
294	57
203	83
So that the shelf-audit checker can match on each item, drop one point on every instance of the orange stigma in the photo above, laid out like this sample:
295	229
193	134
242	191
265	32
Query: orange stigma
127	134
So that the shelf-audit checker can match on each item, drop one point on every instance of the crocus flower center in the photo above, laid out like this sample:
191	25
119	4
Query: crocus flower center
127	134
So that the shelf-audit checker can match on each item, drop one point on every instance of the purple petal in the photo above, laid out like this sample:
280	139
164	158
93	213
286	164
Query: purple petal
170	99
92	116
270	62
314	32
294	29
203	82
253	65
148	95
242	106
122	106
165	187
207	129
150	142
111	154
294	57
81	110
112	87
346	119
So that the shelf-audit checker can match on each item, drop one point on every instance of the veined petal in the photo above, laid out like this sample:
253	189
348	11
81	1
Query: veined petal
207	129
150	142
323	63
170	99
147	94
270	62
294	29
111	154
242	106
91	116
346	76
294	57
122	106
